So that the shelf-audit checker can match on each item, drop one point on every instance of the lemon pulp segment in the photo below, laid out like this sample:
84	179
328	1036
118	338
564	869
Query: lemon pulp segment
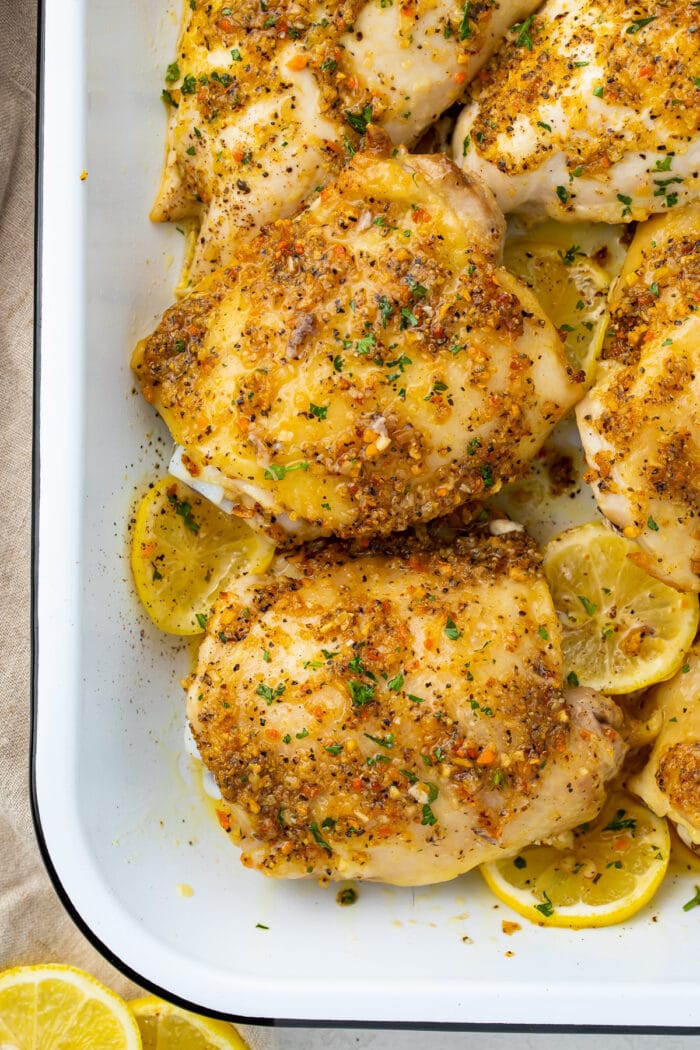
54	1006
164	1026
184	551
622	630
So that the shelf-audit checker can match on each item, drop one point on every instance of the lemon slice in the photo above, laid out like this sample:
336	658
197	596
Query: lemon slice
56	1006
184	550
167	1027
622	629
573	292
611	869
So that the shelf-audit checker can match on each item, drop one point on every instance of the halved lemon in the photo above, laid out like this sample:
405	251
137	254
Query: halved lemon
53	1006
184	551
622	630
572	290
610	869
167	1027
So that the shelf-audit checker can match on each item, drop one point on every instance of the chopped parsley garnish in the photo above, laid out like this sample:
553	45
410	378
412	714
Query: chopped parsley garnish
473	445
569	256
385	308
652	524
172	73
275	472
408	319
562	194
465	145
346	896
333	749
486	476
383	741
451	630
572	679
543	633
627	201
366	343
547	908
189	85
359	121
201	620
318	837
167	97
599	91
361	693
654	289
236	56
465	30
622	823
395	683
639	23
304	733
523	38
429	817
267	693
541	124
416	699
588	605
694	902
184	509
320	411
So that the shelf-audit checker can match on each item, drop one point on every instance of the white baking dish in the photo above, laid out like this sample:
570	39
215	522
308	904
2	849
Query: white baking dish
122	828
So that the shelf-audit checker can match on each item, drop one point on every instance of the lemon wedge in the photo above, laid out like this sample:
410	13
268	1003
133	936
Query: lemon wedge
622	630
609	871
184	551
56	1006
572	290
167	1027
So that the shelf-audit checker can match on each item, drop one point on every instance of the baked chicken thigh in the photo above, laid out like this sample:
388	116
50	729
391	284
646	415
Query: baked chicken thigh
364	365
670	781
394	710
268	100
640	422
591	111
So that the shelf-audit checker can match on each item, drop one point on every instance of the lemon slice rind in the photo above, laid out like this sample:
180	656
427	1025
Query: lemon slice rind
168	1027
618	869
59	1005
622	629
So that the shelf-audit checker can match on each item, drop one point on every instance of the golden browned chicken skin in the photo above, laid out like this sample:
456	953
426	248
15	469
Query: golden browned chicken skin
640	422
394	710
365	365
670	781
269	100
590	111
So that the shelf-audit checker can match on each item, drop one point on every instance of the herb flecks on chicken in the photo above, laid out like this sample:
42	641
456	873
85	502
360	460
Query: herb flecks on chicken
640	422
268	100
394	710
365	365
590	111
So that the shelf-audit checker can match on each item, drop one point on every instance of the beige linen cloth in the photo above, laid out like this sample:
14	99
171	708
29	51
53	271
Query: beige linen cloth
33	924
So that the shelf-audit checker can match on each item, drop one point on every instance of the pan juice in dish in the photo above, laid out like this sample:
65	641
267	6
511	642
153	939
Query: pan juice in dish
411	686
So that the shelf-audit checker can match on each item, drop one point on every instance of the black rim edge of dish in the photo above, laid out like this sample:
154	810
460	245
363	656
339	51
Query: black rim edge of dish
63	895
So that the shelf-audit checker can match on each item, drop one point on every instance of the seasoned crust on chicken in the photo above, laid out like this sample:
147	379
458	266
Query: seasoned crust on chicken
640	423
670	781
591	112
394	711
365	365
269	100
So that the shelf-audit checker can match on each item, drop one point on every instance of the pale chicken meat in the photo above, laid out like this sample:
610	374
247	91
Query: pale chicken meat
640	422
394	710
268	100
590	111
365	365
669	783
